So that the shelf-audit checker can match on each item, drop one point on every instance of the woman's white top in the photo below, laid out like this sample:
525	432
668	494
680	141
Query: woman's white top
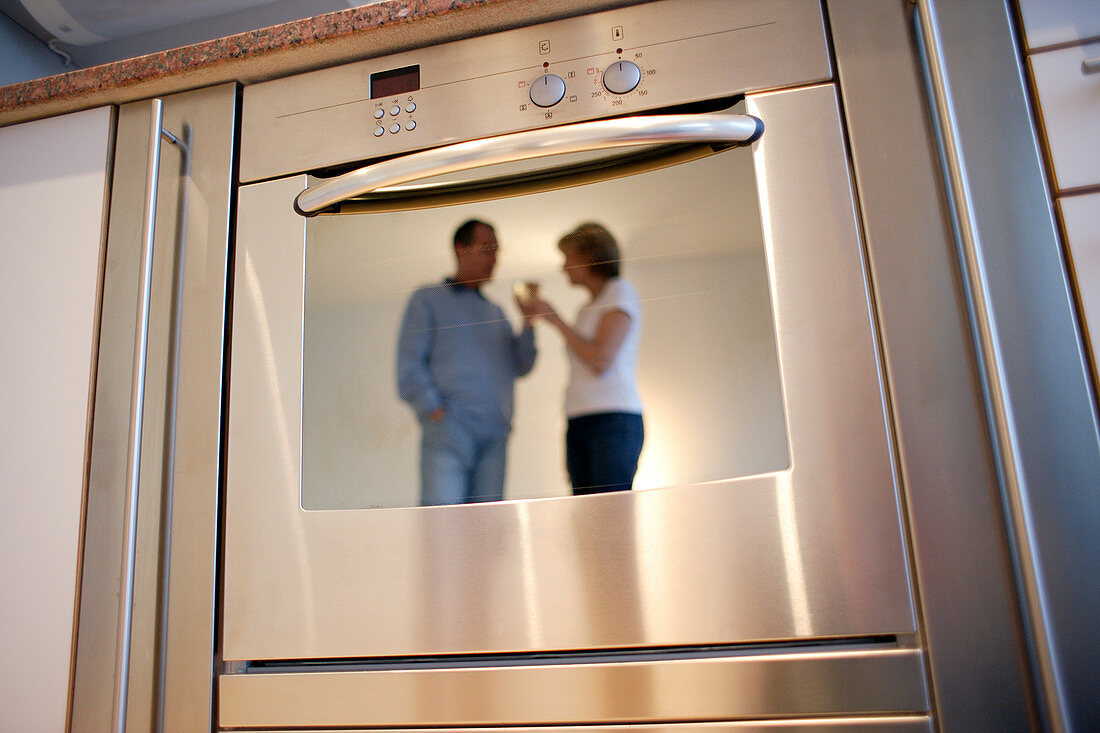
615	390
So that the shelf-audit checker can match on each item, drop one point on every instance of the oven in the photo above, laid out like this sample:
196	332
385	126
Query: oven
758	569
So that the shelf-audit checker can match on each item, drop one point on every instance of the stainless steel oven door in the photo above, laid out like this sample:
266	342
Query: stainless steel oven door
806	546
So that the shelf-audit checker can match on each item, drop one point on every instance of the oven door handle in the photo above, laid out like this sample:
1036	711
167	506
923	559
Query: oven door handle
730	129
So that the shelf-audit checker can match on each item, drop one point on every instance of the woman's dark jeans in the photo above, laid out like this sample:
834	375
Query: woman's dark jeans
601	451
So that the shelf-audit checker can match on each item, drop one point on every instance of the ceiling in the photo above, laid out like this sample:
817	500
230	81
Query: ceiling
93	32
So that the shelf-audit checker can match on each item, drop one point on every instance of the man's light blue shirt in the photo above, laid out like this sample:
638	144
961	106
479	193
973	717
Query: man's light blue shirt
457	350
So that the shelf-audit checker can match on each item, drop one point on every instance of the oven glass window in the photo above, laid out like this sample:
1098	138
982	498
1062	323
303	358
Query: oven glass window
705	370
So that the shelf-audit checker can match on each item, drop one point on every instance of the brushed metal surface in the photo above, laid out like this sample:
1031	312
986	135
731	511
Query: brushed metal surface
746	687
208	120
54	196
688	50
173	619
812	551
1067	94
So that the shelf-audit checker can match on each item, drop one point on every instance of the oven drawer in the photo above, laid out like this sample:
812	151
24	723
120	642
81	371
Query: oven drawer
875	680
1069	101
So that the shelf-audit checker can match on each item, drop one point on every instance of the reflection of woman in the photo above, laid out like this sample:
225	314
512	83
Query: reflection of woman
604	435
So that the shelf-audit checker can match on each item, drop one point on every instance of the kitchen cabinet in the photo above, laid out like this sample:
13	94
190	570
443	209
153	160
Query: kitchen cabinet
1062	42
53	182
1052	22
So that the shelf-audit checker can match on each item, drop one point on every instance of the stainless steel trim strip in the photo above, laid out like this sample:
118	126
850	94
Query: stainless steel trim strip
577	138
137	408
806	684
859	724
993	362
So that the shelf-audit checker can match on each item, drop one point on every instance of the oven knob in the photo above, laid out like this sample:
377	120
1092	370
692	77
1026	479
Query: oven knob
621	77
547	90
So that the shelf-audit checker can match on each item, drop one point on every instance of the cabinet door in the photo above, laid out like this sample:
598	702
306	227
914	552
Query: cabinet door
1048	22
145	638
53	175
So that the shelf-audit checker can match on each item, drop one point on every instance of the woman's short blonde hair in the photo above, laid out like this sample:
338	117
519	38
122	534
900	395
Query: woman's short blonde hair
596	245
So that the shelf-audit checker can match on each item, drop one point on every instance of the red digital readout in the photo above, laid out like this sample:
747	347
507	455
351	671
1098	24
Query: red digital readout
395	81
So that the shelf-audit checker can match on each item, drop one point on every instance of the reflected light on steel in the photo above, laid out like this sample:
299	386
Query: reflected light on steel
653	565
656	467
792	554
288	456
530	580
784	490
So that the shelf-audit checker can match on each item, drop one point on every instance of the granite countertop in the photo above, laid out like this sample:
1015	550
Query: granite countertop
324	40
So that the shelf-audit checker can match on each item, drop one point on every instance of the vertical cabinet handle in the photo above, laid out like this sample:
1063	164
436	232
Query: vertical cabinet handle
137	408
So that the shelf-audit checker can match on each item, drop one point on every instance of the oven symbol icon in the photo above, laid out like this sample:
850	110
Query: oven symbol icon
544	47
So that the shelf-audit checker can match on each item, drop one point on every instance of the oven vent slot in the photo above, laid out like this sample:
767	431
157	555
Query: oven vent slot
582	656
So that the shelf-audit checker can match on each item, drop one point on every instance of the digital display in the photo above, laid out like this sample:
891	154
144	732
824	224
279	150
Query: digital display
395	81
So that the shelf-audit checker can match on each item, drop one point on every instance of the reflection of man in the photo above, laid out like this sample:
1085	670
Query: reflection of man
457	358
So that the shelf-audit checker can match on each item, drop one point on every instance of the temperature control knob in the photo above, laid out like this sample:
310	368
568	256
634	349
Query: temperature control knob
621	77
547	90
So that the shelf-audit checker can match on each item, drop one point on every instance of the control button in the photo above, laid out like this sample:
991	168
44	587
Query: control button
379	113
395	128
410	107
410	125
379	131
547	90
395	110
621	77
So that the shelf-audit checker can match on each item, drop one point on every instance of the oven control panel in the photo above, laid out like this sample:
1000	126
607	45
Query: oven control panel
633	59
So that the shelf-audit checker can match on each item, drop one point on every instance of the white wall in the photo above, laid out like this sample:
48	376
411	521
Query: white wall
53	175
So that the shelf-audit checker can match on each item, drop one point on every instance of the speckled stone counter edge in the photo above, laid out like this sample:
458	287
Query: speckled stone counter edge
312	43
